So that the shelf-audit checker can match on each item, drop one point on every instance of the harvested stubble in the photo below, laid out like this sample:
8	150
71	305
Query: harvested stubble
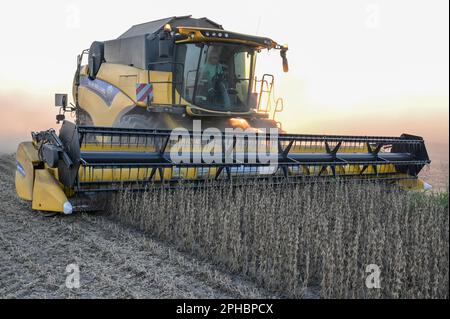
291	238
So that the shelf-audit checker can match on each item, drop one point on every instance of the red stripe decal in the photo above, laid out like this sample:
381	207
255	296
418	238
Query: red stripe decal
143	97
139	88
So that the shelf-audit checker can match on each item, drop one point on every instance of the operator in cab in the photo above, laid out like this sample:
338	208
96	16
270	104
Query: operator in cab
213	76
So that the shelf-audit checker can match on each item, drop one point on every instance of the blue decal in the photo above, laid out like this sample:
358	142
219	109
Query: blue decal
20	169
103	89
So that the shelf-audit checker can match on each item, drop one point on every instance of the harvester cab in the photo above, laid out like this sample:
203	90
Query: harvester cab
139	101
165	73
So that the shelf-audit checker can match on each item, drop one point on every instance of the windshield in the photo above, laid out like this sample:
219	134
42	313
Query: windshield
216	76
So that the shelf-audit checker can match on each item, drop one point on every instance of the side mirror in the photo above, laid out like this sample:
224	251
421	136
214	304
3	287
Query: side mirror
285	61
61	100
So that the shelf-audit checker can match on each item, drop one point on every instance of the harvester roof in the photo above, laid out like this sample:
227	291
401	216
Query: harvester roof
157	25
138	46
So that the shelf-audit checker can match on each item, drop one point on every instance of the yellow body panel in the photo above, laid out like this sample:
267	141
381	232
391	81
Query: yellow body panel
27	157
133	174
124	78
48	194
120	175
412	184
102	114
162	92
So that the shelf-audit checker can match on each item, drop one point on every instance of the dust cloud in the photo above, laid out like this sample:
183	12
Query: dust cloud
21	113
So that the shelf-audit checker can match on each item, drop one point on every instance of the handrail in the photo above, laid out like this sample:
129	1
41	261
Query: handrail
271	95
269	91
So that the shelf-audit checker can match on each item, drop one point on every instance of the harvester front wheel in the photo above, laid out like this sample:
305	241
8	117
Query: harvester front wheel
139	121
84	119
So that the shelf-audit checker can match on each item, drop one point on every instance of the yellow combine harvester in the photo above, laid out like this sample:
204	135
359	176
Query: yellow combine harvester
138	102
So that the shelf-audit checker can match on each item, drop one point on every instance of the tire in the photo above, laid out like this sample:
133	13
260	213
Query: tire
141	121
137	121
84	119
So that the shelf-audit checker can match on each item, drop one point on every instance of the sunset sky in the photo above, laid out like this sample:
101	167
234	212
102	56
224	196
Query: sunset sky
356	66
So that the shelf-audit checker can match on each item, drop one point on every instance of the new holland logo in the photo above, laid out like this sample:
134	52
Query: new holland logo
103	89
144	92
20	169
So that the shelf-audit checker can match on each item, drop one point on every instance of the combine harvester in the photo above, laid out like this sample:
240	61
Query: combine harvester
162	77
